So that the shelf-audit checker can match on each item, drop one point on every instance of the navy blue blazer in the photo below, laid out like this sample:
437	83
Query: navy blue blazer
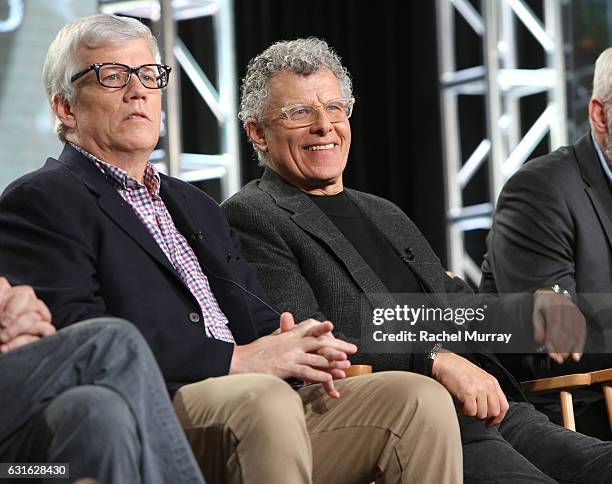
65	230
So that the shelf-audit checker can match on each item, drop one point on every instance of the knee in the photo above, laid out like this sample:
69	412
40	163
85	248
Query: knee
402	384
423	396
94	410
270	399
272	412
114	332
115	328
249	401
111	328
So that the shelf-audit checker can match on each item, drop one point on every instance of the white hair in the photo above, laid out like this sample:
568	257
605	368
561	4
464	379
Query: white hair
300	56
62	61
602	78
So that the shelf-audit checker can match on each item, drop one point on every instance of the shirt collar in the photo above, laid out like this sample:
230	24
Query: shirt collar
602	158
120	178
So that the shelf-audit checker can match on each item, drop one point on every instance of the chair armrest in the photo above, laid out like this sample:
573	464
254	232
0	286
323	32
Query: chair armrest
557	383
601	376
358	370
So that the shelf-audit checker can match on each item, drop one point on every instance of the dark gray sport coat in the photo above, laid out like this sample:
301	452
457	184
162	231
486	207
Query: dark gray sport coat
308	267
553	225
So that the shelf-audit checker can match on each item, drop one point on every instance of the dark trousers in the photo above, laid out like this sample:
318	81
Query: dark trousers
527	448
92	396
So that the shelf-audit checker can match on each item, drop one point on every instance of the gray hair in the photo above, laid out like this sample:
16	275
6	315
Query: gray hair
62	60
300	56
602	78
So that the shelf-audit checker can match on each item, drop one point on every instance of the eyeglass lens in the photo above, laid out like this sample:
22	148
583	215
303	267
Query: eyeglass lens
335	111
151	76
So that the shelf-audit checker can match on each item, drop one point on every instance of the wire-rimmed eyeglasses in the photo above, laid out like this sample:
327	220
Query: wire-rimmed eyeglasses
114	75
296	115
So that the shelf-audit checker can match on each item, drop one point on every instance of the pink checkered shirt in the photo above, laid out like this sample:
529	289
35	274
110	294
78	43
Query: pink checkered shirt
152	211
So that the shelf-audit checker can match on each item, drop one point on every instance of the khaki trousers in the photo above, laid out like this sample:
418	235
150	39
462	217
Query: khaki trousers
392	427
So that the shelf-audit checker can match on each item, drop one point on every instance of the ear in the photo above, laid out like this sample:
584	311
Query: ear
256	134
63	111
598	116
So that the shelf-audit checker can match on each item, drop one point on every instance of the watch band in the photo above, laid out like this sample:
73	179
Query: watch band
430	357
557	289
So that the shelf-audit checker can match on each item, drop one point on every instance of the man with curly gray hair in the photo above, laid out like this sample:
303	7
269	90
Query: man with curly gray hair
301	56
324	251
295	92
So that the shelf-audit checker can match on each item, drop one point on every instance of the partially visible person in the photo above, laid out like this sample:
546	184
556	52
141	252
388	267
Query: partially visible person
90	396
99	231
322	250
553	227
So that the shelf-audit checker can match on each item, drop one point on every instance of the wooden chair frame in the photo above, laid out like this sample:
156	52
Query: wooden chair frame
565	384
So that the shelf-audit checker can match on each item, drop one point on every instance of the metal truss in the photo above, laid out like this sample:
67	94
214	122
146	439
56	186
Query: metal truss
164	14
501	84
14	16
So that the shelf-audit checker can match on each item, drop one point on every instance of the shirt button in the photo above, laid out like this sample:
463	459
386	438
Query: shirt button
194	317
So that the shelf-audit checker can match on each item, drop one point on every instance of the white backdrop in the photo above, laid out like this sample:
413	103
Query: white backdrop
27	27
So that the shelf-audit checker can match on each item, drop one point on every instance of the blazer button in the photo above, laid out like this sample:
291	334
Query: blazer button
194	317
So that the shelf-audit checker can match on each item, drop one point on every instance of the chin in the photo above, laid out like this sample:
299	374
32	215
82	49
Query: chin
140	143
327	176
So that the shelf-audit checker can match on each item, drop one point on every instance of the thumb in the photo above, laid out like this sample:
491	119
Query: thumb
286	322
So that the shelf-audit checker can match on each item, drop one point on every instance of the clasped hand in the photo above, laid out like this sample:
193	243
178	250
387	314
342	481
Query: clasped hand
307	351
23	317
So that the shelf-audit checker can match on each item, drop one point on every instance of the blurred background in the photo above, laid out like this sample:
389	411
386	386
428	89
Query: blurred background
452	95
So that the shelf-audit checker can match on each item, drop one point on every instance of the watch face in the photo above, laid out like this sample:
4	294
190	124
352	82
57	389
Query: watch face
434	351
559	290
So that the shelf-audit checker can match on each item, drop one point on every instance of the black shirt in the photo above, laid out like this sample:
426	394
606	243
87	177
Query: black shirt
384	260
369	242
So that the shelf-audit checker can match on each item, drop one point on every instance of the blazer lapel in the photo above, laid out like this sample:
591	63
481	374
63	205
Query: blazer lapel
178	205
113	204
313	221
123	215
405	239
598	189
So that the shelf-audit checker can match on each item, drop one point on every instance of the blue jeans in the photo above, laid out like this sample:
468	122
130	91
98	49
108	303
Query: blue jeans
92	396
527	448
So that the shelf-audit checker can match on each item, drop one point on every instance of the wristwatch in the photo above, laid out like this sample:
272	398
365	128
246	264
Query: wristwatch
430	357
557	289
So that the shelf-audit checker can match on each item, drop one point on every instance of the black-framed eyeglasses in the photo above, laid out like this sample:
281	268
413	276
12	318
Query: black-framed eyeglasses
114	75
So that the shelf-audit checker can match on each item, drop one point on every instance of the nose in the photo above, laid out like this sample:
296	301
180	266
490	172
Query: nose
322	123
135	89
